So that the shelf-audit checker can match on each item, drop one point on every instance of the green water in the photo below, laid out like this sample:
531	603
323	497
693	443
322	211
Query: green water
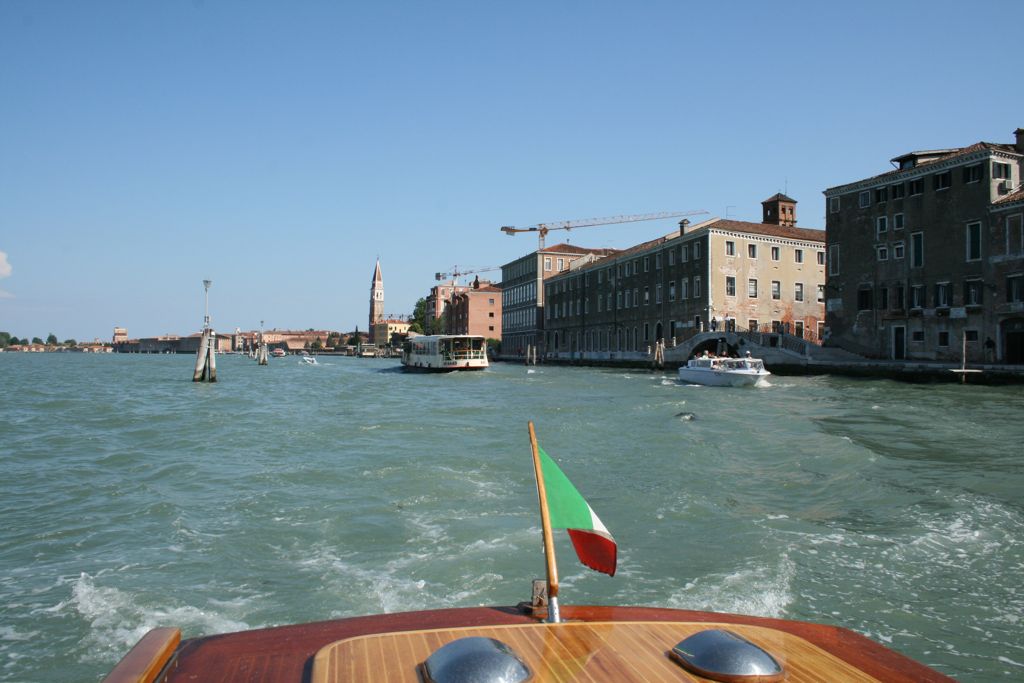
132	498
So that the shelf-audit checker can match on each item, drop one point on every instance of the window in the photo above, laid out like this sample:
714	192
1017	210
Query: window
896	191
684	289
881	225
1015	289
944	338
917	336
833	205
972	293
752	325
897	298
636	297
752	251
776	290
547	263
833	259
864	199
647	295
775	253
943	180
1000	171
684	253
881	195
730	286
821	258
696	251
1015	234
798	328
657	261
629	298
730	248
672	290
864	299
942	295
618	300
647	264
671	257
972	174
971	335
897	251
974	241
798	255
897	221
916	187
561	264
821	293
916	249
696	287
883	252
883	298
798	293
917	296
636	266
752	288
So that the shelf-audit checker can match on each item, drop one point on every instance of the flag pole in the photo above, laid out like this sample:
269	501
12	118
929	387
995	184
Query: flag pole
549	544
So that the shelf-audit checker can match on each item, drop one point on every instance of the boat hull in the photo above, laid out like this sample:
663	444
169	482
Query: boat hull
287	653
721	378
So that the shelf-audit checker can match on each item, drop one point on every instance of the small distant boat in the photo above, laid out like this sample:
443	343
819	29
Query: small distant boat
277	353
723	372
445	352
309	360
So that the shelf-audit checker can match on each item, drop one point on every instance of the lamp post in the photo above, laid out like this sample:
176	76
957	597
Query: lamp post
206	317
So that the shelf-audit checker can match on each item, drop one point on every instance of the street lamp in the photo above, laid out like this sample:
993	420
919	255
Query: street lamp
206	318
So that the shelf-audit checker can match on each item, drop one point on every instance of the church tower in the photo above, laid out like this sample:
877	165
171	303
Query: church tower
779	210
376	300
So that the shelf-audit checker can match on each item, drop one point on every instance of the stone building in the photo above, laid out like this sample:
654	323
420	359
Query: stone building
928	258
476	311
436	303
719	274
522	323
384	330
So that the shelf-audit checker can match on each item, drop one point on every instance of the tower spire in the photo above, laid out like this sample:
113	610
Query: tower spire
376	300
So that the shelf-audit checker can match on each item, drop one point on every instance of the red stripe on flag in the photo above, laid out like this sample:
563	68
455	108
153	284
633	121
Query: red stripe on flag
595	550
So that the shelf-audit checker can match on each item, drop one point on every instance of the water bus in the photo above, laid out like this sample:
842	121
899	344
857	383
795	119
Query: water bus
445	352
723	372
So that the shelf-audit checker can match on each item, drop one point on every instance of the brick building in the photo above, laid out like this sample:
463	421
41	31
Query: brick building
930	254
436	303
740	275
477	310
522	284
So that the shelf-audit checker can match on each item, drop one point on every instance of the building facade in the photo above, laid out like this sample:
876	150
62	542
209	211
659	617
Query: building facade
927	260
436	304
384	331
719	274
522	283
376	302
476	311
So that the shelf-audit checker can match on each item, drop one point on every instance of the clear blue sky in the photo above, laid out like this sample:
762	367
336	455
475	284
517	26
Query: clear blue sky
278	148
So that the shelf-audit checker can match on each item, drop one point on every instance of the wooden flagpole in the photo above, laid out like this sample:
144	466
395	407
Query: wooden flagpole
549	543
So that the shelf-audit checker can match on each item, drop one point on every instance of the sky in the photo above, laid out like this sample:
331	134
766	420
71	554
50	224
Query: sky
280	148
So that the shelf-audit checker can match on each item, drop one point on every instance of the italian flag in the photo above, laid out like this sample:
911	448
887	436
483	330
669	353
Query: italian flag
568	510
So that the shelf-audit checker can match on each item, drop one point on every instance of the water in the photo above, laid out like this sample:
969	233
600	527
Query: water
132	498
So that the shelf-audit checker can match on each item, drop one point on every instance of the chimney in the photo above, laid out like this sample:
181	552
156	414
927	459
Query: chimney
683	224
1020	140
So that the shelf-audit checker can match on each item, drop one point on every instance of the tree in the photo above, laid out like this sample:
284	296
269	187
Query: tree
419	314
317	345
5	339
51	340
333	340
356	338
70	343
416	327
37	340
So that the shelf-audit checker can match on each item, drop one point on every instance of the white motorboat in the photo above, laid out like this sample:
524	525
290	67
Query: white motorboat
309	360
723	372
445	353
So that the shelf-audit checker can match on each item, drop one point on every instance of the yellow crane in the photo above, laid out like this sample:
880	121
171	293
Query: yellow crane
469	271
542	229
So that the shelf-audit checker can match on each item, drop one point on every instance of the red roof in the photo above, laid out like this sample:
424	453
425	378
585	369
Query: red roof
770	229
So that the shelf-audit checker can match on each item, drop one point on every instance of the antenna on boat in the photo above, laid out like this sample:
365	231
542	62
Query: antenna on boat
549	544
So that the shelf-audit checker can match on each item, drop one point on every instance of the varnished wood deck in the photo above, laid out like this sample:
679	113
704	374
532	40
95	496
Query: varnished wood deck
286	653
583	652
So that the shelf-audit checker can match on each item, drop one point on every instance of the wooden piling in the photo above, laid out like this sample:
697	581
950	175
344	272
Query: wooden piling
206	359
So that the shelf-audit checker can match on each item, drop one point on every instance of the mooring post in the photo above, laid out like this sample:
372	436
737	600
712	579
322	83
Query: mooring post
206	365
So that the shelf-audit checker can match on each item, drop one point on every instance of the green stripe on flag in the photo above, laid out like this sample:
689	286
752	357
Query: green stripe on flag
566	507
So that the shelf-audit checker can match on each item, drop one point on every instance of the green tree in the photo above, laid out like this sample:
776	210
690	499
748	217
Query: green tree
416	327
317	345
70	343
37	340
5	339
493	345
52	340
333	340
419	314
356	338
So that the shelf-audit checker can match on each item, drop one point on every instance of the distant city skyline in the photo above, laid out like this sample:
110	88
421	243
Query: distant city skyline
279	150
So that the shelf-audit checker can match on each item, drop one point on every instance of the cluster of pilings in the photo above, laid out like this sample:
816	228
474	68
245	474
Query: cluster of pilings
206	359
531	354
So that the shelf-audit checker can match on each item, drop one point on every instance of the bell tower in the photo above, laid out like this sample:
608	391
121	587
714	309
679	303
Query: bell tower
779	210
376	300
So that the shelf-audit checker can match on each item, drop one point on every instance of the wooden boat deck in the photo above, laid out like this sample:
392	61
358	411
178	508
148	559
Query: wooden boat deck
287	653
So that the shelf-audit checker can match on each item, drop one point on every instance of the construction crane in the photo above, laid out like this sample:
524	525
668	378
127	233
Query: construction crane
458	273
542	229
